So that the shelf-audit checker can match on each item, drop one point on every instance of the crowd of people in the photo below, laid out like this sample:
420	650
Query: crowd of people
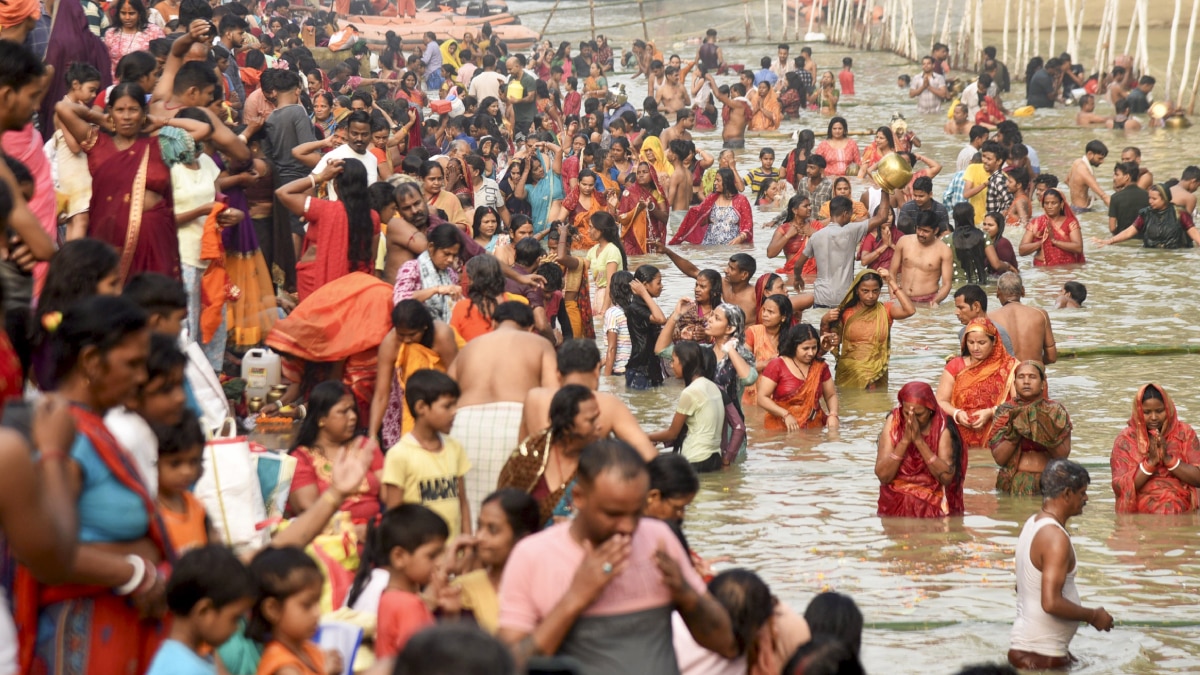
438	245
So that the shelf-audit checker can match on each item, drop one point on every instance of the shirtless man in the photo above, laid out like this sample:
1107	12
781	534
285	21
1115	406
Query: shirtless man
488	422
672	96
735	285
924	264
1134	154
405	234
1087	116
970	302
679	185
579	363
809	64
736	113
1029	327
1117	90
1183	193
1081	179
685	121
959	125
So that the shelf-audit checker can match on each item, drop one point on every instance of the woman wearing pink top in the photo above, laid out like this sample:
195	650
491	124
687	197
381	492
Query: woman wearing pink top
839	150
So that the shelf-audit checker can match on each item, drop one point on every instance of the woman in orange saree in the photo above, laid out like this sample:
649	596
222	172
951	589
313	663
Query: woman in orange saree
580	203
768	114
643	210
792	386
975	383
920	462
315	347
791	235
763	339
1156	459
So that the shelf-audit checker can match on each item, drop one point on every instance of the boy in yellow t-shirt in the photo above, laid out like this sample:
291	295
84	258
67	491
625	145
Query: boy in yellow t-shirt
426	466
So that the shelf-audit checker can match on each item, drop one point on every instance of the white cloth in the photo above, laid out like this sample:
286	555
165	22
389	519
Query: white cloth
344	151
8	638
927	101
486	84
964	157
970	98
488	194
138	439
191	189
1034	630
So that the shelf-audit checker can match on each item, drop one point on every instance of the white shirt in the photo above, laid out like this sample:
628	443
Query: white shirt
344	151
1034	630
970	98
138	439
964	157
488	194
191	189
486	84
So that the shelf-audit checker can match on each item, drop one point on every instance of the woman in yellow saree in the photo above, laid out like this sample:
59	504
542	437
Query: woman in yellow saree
417	342
654	155
974	384
863	326
577	292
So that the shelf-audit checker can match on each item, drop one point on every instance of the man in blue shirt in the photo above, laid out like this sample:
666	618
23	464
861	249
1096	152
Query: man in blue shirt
765	74
432	58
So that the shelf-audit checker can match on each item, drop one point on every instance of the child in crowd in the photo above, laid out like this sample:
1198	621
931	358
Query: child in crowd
209	592
180	462
903	82
755	177
287	613
1072	296
846	76
673	486
161	400
407	543
426	466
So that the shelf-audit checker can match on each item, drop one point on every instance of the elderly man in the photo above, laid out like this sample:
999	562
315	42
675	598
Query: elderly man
1048	608
601	587
1032	336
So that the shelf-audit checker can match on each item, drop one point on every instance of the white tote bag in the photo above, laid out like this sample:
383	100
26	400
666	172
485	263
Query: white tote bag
230	492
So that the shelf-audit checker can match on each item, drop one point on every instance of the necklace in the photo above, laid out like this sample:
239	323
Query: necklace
800	368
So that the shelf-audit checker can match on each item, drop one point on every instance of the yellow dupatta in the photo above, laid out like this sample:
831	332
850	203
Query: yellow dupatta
865	340
411	357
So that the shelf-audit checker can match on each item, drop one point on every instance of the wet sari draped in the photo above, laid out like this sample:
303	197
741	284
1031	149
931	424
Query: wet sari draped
695	224
1162	493
795	246
982	385
251	304
769	114
581	217
1033	426
525	470
803	402
915	492
866	335
638	225
1050	254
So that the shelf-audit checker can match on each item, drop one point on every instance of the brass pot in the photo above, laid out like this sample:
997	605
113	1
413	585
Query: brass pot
892	173
1177	122
255	404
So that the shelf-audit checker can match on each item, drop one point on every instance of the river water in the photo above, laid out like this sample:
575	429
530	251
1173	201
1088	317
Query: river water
937	595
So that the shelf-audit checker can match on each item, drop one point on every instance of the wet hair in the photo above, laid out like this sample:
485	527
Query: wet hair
997	218
487	283
351	185
1128	168
578	356
454	649
186	435
840	205
1190	173
887	133
1049	180
646	273
736	319
963	214
1096	148
978	131
690	364
212	573
673	476
972	295
837	615
784	304
1020	174
74	273
564	407
836	120
824	654
748	600
744	262
728	182
320	401
609	454
1061	475
619	289
604	223
428	386
408	527
1076	290
715	288
280	573
517	312
923	184
791	339
998	151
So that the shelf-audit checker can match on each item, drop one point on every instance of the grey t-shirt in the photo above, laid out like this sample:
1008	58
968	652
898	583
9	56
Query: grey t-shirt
833	247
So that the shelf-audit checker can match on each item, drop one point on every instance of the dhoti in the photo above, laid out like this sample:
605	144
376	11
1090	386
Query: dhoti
488	432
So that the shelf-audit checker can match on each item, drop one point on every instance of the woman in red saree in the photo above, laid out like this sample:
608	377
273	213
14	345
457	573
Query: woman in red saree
1156	459
791	387
792	235
100	619
1054	237
342	236
975	383
724	217
315	347
920	462
131	206
642	209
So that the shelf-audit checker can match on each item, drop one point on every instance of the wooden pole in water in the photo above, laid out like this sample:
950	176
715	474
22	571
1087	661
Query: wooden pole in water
1037	27
1053	29
812	13
547	23
642	12
1020	63
977	47
766	16
1187	51
784	16
1143	52
1100	35
937	8
592	10
1132	25
1195	86
1004	50
745	11
1171	52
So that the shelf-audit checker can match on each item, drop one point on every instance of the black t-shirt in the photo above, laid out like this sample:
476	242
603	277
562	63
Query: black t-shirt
1041	92
1138	103
643	333
1125	204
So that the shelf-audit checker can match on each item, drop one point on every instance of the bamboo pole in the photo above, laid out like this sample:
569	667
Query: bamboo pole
1053	30
784	17
813	9
1037	27
1112	31
977	47
642	13
1187	50
1171	51
766	17
551	16
745	10
1004	48
937	8
1020	62
1100	35
1195	86
1132	25
592	10
1143	52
